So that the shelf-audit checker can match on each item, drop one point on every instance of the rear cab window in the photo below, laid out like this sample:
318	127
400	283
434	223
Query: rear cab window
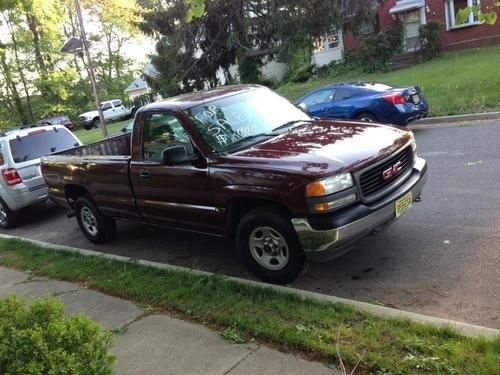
117	103
40	142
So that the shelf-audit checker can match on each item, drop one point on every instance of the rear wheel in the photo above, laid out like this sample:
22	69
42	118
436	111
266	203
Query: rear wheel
7	217
97	227
367	117
269	246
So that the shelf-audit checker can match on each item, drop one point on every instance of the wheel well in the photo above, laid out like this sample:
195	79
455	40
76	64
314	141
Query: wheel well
239	207
73	192
358	114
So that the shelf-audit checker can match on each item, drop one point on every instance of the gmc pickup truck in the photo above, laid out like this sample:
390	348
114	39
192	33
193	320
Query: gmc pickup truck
242	161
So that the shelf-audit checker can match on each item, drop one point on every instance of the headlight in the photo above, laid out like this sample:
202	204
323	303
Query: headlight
329	185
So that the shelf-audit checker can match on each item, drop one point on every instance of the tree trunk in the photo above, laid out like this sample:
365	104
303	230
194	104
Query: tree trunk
11	86
20	71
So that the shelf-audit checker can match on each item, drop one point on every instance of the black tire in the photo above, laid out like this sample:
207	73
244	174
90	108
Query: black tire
7	216
273	226
96	123
97	227
367	117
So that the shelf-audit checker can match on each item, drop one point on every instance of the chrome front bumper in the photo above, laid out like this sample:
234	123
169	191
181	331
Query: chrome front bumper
323	245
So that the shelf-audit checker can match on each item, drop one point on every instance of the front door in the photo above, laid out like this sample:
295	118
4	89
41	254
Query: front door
178	195
411	22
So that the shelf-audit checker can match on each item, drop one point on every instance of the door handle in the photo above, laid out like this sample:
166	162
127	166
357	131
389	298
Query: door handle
145	175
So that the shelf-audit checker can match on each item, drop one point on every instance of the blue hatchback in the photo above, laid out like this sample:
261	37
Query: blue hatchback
366	102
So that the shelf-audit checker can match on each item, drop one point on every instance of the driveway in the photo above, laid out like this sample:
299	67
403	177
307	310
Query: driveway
441	258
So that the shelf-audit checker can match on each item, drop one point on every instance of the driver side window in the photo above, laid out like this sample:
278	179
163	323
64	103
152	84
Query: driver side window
162	130
318	97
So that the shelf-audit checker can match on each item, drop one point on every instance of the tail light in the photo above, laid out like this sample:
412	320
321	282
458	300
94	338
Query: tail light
396	98
11	176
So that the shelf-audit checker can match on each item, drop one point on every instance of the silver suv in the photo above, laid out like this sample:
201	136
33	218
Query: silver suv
21	182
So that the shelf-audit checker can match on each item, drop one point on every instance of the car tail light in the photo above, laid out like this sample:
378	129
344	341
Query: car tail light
11	176
396	98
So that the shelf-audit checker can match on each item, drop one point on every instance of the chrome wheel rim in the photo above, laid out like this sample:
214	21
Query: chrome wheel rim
3	215
269	248
89	221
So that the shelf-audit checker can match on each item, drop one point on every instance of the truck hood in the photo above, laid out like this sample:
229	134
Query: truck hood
89	114
324	147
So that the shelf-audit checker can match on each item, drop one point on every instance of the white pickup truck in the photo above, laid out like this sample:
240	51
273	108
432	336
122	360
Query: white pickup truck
111	110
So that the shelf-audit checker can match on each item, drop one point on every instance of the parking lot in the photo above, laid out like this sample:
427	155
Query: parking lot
441	258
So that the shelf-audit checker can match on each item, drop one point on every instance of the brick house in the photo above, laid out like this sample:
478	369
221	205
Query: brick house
413	13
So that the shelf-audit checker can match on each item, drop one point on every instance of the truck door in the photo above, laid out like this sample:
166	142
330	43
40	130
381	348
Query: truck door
173	195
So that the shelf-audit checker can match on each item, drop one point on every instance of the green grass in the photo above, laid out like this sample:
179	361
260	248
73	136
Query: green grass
95	134
454	83
241	312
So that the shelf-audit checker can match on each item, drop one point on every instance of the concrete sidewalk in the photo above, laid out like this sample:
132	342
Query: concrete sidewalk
159	344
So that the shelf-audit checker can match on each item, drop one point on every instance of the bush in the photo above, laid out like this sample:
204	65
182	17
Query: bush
377	49
429	40
270	82
38	340
303	73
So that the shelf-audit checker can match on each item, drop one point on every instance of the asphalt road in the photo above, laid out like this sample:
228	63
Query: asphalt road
441	258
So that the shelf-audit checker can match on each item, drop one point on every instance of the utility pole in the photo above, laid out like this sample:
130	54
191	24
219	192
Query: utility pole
91	69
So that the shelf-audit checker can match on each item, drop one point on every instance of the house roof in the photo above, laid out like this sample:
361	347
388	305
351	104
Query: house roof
150	70
138	84
406	5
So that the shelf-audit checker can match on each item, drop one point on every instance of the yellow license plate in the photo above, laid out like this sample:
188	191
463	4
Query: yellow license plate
403	204
416	99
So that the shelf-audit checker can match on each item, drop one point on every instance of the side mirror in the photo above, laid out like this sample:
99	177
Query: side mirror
303	107
175	155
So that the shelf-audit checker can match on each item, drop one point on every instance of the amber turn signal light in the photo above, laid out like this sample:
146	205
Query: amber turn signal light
315	189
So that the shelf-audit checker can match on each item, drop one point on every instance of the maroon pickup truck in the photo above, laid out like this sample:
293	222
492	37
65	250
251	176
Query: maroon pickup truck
242	161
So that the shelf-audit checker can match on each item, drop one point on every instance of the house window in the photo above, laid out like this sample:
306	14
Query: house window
452	8
328	41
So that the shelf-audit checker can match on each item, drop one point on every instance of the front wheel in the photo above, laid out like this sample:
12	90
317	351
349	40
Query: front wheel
97	227
96	123
7	217
269	246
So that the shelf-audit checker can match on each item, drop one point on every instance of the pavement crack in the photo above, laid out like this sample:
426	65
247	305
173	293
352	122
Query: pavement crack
250	353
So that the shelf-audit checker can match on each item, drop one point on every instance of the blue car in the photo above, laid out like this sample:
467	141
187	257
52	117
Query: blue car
366	102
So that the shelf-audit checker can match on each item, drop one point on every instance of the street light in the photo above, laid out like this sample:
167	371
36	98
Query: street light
75	45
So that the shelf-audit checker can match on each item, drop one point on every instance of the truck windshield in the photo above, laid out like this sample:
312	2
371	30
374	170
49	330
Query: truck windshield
40	142
231	120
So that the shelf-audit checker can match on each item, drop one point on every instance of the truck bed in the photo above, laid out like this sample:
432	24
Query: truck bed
100	168
119	145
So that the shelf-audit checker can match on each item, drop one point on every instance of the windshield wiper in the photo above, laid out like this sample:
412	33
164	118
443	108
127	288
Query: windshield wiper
289	124
245	140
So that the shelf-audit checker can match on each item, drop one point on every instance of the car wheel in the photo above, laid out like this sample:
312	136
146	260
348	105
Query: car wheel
269	246
7	217
367	117
97	227
96	123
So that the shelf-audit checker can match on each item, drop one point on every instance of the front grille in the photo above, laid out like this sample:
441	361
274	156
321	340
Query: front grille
372	180
82	118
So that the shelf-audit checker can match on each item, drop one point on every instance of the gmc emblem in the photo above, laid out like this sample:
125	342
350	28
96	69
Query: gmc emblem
392	171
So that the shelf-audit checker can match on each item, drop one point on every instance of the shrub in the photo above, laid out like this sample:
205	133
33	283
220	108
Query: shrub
429	40
303	73
377	49
38	340
269	82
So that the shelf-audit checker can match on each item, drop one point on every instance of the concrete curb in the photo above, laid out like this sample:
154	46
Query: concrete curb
458	118
465	329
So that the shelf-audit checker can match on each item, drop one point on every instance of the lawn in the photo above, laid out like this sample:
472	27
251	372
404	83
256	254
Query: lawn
94	135
454	83
317	330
